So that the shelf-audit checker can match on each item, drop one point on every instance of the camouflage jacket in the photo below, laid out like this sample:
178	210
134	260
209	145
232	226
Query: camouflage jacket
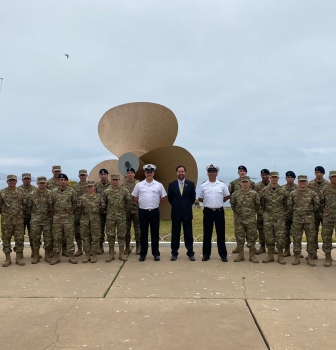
129	185
100	188
116	201
303	204
258	187
64	202
245	205
80	190
41	206
90	205
315	186
12	205
273	202
52	183
28	191
328	202
235	185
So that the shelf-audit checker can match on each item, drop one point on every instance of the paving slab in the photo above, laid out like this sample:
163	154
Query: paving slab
61	280
296	324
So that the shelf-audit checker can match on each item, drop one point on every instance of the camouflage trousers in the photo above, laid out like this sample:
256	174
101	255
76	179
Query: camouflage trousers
77	216
260	228
275	232
90	233
318	222
63	230
288	224
113	225
26	226
328	227
43	229
132	217
246	231
12	228
297	232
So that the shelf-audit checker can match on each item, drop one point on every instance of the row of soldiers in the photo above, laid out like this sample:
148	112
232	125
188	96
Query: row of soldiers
61	214
282	212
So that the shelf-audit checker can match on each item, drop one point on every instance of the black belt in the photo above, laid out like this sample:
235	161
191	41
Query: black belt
214	209
149	209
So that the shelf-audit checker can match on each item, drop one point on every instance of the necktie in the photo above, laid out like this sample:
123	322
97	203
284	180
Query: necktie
181	188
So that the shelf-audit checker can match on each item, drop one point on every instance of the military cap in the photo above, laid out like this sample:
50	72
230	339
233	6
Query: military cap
212	167
149	168
11	177
302	178
56	168
290	173
265	171
242	167
90	183
82	172
320	169
274	174
130	169
103	171
115	176
245	178
332	173
41	179
62	176
26	176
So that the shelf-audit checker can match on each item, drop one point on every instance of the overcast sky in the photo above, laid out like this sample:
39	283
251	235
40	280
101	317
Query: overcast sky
250	82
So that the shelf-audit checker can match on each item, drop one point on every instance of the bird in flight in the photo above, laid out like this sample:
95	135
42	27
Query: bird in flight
67	56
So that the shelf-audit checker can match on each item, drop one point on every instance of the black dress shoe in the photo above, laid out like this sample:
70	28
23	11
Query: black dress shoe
224	259
156	258
142	258
191	258
205	258
173	258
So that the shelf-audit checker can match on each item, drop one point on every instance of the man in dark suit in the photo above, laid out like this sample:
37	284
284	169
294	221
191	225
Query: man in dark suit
181	196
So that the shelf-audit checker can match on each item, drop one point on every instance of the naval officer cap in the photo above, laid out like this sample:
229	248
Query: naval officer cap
149	168
212	167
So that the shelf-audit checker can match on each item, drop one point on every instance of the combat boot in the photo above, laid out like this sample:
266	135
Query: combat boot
64	252
101	248
240	257
269	258
327	262
79	248
261	249
47	253
111	253
252	257
287	251
8	260
235	251
72	258
137	247
86	258
127	248
315	255
281	260
36	256
122	257
297	256
55	259
310	260
19	259
94	258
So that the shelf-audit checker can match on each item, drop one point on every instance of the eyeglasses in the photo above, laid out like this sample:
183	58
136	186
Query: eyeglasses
115	179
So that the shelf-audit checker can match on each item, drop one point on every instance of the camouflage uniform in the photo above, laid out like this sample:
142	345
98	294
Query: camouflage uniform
100	188
328	208
289	215
258	187
64	204
52	183
274	204
303	204
235	185
132	213
80	190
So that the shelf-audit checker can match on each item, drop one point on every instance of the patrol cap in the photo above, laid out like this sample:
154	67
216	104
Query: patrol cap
115	177
149	168
242	167
264	171
11	177
26	176
274	174
103	171
320	169
90	183
332	173
212	167
56	168
244	178
82	172
302	178
62	176
290	173
130	169
41	179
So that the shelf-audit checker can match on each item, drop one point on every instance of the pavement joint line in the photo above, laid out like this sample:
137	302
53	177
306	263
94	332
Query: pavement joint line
115	277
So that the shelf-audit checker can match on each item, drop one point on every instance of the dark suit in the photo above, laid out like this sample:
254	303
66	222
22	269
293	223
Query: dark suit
181	212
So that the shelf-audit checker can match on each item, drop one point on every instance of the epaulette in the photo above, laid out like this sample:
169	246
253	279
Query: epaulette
222	181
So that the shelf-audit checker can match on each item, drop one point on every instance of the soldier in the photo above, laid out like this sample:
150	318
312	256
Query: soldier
80	189
90	205
64	205
40	203
317	185
245	204
28	189
328	209
289	187
273	199
132	214
53	182
264	173
304	202
236	185
12	205
101	186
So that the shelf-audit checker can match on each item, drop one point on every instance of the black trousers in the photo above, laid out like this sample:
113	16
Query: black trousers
209	218
149	219
102	226
176	235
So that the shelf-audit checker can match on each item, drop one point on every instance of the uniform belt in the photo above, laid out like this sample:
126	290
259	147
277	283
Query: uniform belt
149	209
214	209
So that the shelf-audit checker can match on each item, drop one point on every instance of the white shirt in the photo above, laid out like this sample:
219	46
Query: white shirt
149	194
213	193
